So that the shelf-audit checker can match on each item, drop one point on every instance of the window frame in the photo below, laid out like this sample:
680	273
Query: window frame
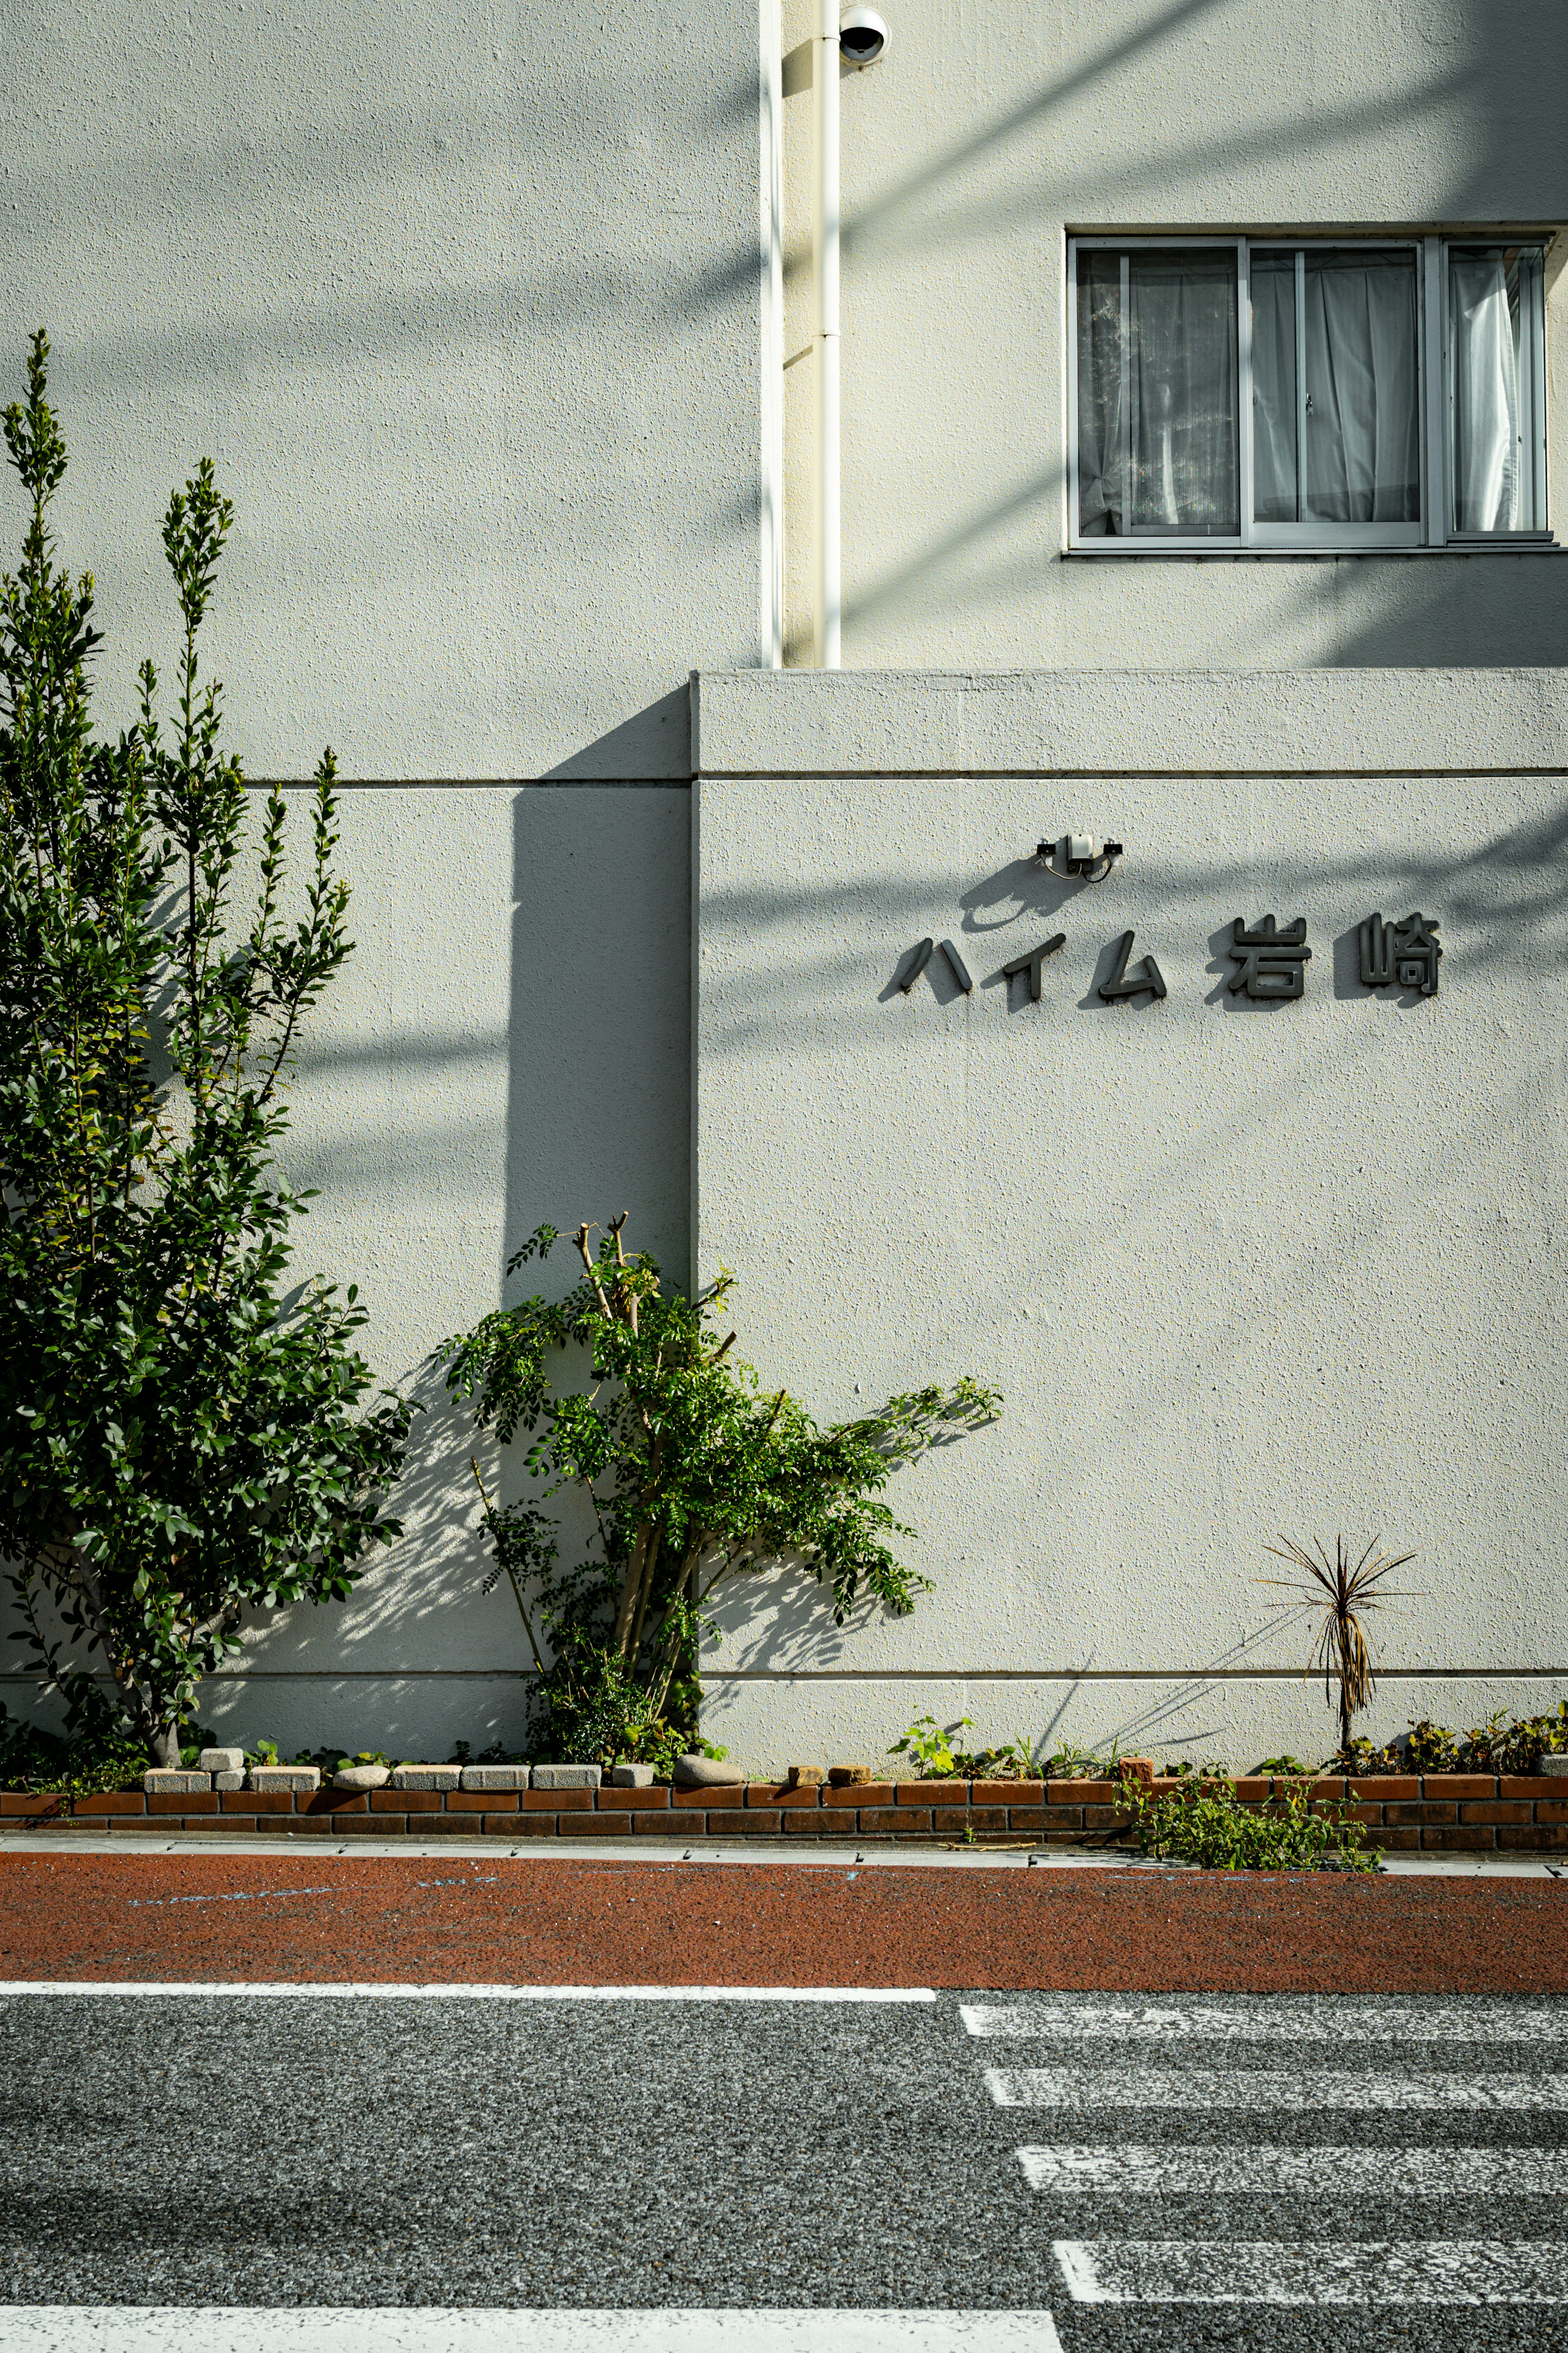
1434	531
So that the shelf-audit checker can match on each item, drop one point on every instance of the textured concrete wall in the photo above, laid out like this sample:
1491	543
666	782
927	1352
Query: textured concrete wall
464	305
985	135
1238	1268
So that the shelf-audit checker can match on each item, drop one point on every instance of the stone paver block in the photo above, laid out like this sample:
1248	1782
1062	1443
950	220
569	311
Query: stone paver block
165	1781
428	1777
495	1777
631	1777
1555	1767
233	1778
566	1777
285	1777
222	1760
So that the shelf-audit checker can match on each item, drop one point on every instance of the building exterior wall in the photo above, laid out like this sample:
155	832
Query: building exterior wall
472	313
464	305
982	140
1239	1269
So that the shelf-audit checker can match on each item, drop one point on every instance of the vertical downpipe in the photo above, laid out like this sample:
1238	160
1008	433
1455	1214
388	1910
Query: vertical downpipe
826	619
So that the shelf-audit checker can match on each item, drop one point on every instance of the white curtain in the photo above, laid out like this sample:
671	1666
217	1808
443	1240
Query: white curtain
1485	384
1363	440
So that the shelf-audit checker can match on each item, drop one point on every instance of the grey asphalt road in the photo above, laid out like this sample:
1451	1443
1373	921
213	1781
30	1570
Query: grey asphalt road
1106	2158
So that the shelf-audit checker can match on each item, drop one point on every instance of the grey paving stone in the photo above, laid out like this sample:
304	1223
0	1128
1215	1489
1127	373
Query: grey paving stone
631	1777
285	1777
222	1760
566	1777
495	1777
165	1782
427	1776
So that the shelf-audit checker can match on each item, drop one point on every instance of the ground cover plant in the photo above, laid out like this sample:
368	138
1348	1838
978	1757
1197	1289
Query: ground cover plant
1205	1822
186	1434
690	1475
928	1748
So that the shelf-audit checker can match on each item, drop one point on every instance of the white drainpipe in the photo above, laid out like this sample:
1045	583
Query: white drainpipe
827	600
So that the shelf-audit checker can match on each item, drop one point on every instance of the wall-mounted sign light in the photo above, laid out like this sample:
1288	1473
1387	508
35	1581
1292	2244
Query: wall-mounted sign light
1081	855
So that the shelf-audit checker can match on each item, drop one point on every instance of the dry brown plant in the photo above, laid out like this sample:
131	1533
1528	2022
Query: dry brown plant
1344	1594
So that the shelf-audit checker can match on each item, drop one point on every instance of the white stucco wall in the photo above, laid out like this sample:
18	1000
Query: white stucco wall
463	303
985	136
1238	1269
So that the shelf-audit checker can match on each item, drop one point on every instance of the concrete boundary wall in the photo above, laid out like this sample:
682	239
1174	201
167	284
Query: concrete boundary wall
1238	1268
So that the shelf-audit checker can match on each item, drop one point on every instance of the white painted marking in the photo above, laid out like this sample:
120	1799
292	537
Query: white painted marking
1210	2271
1257	2091
1304	2021
404	2328
1178	2169
261	1990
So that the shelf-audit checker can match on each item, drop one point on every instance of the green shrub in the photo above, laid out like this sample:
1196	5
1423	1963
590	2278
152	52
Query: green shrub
1206	1823
187	1433
689	1476
102	1755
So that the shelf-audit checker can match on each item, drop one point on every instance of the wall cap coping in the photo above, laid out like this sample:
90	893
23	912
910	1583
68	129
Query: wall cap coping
767	724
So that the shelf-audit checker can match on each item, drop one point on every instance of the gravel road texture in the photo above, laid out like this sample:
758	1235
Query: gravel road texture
491	1919
286	2151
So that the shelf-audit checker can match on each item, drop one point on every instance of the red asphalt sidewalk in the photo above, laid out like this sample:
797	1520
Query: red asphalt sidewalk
474	1919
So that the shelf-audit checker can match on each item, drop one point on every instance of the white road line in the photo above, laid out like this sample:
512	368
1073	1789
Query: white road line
372	1991
1211	2271
1178	2169
1301	2021
402	2328
1258	2091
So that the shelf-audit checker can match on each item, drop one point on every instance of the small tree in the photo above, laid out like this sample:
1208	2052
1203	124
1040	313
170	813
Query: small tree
180	1439
690	1476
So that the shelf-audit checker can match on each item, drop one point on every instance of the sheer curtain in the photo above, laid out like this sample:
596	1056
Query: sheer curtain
1485	385
1495	300
1157	393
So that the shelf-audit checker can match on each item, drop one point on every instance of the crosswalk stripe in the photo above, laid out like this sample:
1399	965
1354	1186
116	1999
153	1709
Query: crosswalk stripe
1209	2271
402	2328
1263	2090
1474	2021
1183	2167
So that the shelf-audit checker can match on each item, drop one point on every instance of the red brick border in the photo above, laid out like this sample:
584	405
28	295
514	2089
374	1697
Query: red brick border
1468	1813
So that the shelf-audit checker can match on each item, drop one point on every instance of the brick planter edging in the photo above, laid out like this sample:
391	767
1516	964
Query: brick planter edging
1470	1813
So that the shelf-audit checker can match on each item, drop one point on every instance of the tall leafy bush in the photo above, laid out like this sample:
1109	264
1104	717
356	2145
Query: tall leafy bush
689	1475
184	1435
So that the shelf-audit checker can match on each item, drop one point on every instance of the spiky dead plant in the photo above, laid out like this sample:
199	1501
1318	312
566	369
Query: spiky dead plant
1344	1594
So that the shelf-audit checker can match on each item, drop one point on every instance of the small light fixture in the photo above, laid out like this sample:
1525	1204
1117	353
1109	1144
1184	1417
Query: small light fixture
1082	857
862	35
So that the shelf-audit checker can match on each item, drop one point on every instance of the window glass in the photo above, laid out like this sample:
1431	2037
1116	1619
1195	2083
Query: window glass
1361	408
1350	352
1275	397
1157	393
1496	381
